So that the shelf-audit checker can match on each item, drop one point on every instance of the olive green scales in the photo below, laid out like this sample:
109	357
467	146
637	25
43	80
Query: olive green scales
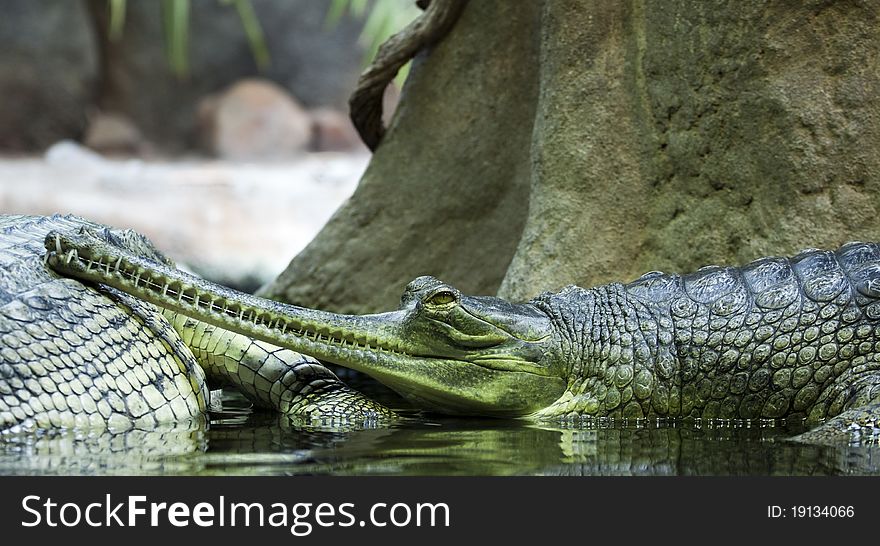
794	338
78	355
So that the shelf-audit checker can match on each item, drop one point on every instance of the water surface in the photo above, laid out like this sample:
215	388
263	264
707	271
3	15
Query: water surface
242	442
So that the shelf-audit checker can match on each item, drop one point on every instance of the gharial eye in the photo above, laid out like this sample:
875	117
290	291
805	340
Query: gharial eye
441	299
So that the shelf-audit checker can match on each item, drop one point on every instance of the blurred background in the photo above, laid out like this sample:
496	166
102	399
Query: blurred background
218	128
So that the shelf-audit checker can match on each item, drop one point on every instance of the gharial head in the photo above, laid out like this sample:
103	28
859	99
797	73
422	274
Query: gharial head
443	351
457	354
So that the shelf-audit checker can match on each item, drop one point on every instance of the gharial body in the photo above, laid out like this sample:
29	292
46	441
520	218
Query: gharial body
794	338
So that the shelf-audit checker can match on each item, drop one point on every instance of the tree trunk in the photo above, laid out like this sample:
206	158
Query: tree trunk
649	135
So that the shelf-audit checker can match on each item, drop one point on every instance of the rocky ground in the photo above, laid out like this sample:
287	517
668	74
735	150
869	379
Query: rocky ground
235	222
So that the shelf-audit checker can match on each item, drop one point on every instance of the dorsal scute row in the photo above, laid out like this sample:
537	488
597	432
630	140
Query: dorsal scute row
773	282
861	264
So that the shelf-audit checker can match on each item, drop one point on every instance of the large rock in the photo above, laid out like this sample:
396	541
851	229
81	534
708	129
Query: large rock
318	65
446	192
254	119
111	134
672	135
649	135
333	131
48	72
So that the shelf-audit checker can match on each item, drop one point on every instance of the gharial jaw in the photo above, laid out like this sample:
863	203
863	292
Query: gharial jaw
443	351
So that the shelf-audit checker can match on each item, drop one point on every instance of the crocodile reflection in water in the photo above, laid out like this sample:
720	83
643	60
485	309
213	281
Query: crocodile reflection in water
264	444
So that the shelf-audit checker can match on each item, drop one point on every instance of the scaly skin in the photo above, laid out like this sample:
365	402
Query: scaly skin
779	338
78	355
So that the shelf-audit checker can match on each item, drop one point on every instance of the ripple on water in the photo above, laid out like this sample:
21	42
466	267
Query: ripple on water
240	442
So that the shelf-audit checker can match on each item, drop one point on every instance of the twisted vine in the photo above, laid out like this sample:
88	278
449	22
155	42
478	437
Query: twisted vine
429	28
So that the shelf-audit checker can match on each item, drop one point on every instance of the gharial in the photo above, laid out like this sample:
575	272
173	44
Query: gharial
85	355
795	338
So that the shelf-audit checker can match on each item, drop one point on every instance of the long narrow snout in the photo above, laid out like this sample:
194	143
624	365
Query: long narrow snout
377	345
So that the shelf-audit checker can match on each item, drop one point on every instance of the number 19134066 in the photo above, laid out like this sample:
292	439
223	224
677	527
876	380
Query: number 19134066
811	511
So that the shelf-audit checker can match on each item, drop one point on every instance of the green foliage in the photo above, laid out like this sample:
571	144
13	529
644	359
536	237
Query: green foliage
117	19
254	32
175	22
383	19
